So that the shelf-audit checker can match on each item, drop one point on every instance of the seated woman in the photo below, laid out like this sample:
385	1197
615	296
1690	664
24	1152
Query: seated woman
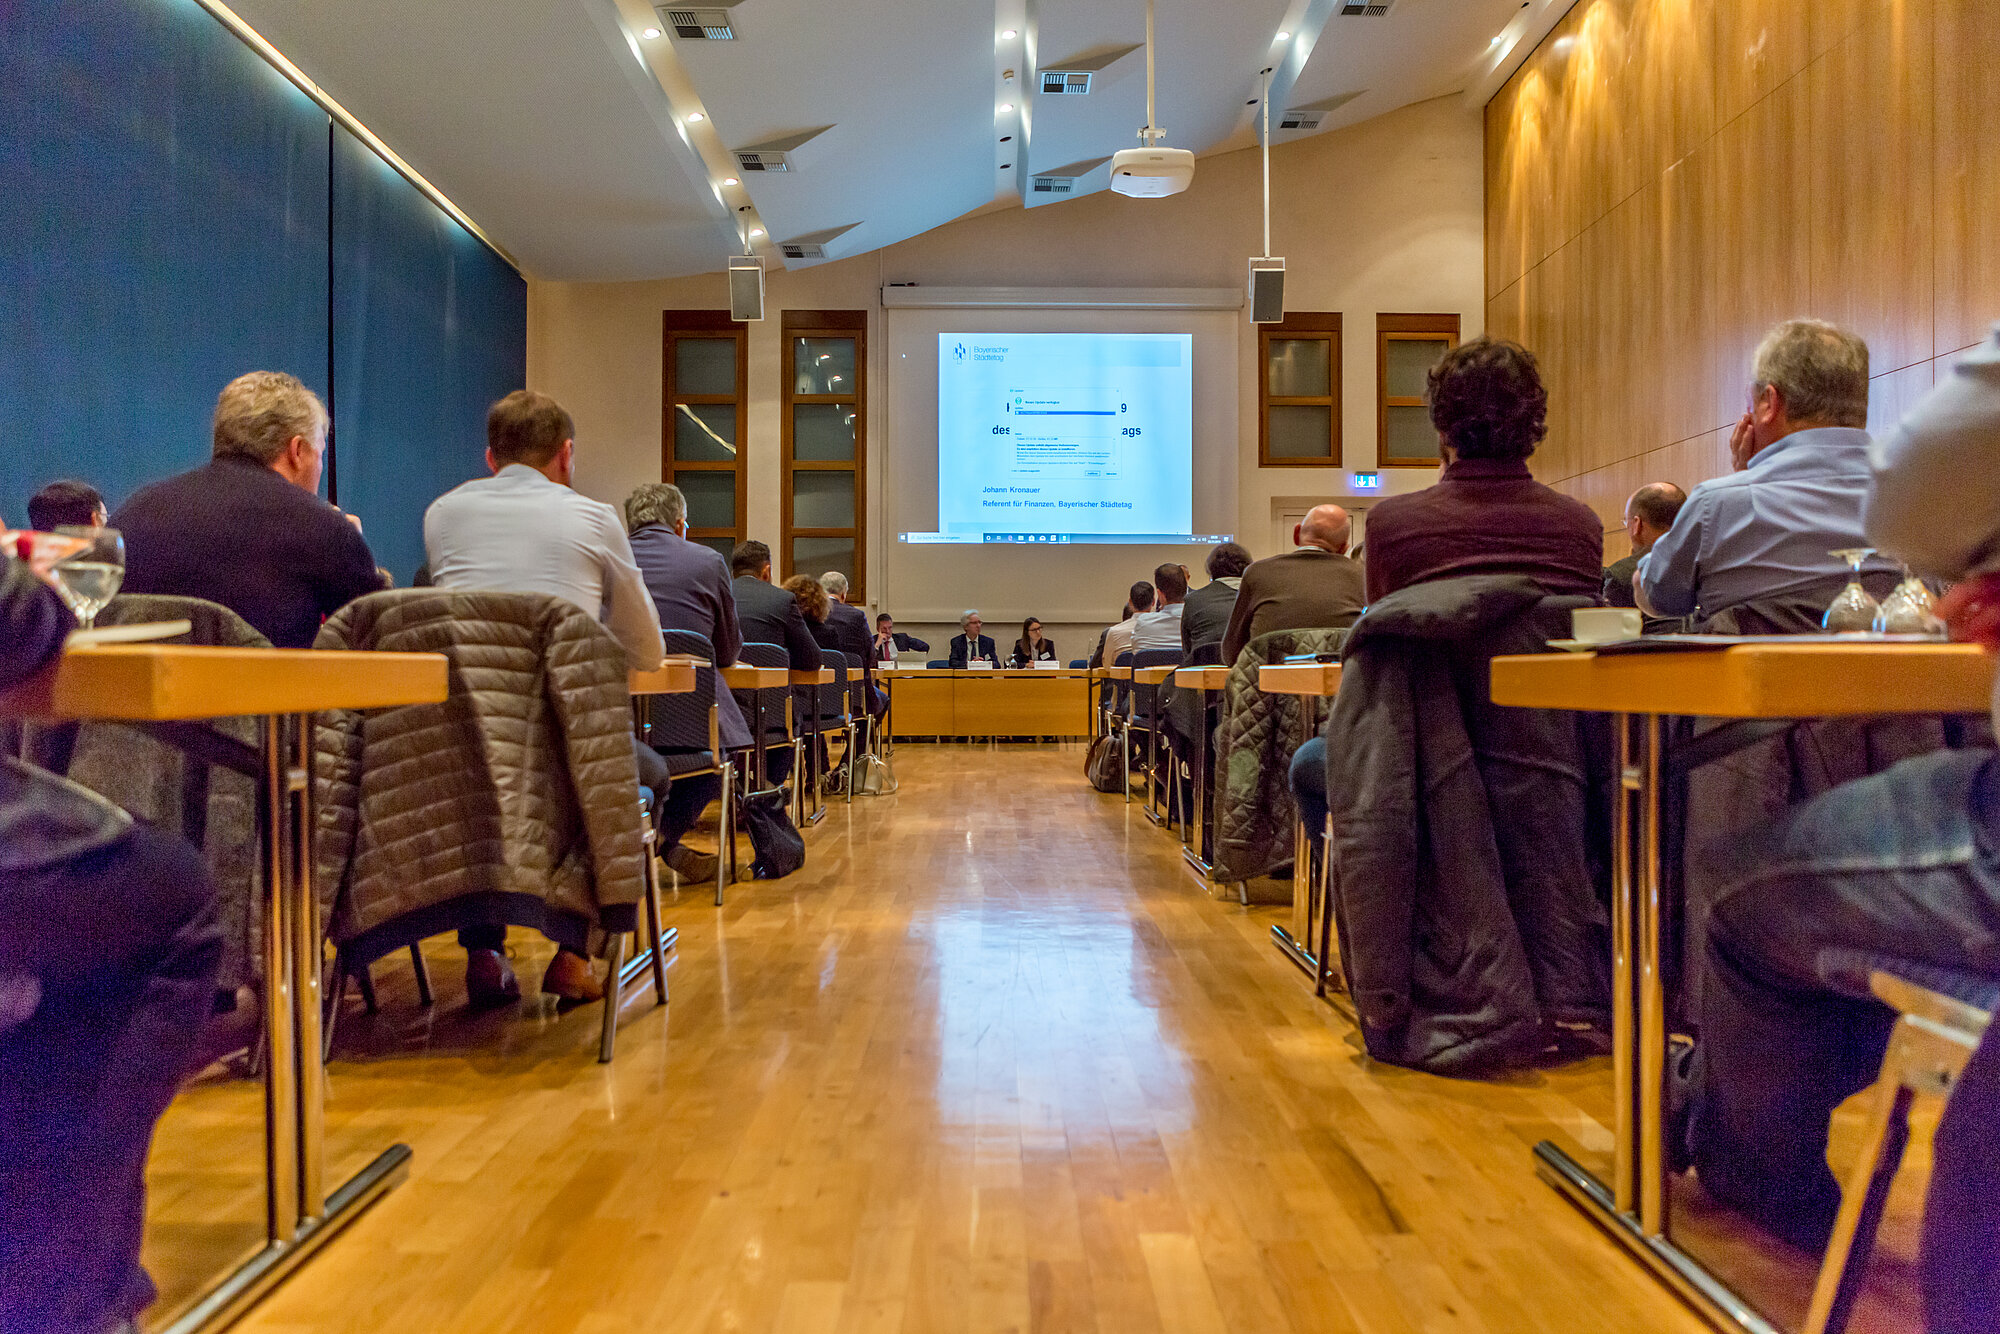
811	596
1031	648
972	646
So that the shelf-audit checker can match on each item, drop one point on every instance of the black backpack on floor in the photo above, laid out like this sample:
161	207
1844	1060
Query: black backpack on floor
778	846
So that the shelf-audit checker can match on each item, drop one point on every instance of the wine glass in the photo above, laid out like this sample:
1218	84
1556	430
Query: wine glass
1910	610
1853	612
91	577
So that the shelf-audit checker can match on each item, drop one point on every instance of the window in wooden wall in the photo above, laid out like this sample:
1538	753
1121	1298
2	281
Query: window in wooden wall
825	427
705	421
1406	347
1298	418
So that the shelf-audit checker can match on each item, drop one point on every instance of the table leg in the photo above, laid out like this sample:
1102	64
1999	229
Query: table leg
307	955
1295	943
281	1090
1195	834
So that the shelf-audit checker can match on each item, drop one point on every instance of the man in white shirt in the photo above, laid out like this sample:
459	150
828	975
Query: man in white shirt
524	530
1161	627
1118	639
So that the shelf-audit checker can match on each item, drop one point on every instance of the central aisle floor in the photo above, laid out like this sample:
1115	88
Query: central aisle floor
994	1061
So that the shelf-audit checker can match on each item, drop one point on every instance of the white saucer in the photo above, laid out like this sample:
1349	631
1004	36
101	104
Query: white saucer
128	634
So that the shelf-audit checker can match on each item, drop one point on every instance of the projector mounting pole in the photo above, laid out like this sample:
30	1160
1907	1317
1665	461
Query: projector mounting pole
1264	105
1152	134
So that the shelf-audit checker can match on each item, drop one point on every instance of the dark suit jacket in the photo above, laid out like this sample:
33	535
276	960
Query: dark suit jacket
905	643
1047	653
845	631
1306	589
986	650
233	531
690	587
1205	615
770	615
1618	582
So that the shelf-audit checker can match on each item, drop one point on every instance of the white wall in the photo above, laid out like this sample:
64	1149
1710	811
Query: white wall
1384	216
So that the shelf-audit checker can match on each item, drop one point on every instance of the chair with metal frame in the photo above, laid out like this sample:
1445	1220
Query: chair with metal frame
686	730
828	712
619	975
1942	1015
1146	701
772	722
1114	707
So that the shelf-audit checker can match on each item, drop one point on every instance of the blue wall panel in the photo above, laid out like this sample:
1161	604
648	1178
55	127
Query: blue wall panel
429	327
163	228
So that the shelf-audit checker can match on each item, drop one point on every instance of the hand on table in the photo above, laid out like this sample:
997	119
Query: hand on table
1972	610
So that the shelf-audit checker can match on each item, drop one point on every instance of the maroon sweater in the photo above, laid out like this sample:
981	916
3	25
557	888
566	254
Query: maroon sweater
1485	516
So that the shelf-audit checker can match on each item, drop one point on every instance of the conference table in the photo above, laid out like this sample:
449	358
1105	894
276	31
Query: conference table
1820	678
987	702
166	687
1311	682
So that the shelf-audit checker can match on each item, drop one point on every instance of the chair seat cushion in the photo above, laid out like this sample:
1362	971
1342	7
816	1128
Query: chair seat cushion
688	761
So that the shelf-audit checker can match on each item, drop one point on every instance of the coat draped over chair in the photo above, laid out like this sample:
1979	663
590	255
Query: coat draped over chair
1254	740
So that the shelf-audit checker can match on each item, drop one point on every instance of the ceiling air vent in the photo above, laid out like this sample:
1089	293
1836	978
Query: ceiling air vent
699	25
1053	185
763	161
1065	81
802	250
1365	9
1301	118
1060	182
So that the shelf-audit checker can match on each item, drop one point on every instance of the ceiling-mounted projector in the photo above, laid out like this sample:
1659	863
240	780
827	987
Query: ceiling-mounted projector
1152	173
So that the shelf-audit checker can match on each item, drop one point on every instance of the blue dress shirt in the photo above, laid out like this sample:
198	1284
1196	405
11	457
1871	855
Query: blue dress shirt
1766	531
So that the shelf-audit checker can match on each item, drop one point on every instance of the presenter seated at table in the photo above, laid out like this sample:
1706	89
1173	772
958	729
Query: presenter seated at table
1766	533
1031	647
248	529
1315	586
66	504
770	615
1903	864
971	647
689	584
891	643
109	944
1207	610
1160	628
525	530
1486	514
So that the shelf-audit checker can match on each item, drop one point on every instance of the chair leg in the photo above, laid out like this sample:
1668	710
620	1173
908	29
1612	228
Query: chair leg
364	978
655	943
333	994
1125	760
423	972
613	994
1327	967
725	851
1845	1267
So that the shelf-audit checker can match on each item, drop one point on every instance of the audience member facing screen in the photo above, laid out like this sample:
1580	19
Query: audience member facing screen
972	646
1031	648
1159	627
66	504
812	600
1648	515
1118	639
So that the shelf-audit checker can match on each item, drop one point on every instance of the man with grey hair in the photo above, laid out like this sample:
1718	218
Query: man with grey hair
845	630
248	529
1769	530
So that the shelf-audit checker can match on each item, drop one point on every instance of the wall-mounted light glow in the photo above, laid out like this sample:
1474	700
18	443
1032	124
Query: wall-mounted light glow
731	180
1006	107
696	118
1496	39
1563	44
756	231
1009	35
1284	37
650	33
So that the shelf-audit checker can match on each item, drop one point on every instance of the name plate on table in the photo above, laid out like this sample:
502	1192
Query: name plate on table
978	665
1047	665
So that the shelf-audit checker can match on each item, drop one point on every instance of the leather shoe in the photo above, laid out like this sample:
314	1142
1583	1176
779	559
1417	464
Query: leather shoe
690	865
571	980
489	980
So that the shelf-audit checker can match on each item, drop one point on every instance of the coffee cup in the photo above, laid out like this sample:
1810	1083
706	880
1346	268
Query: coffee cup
1605	625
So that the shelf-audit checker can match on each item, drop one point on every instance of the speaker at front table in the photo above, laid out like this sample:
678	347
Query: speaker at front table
746	287
1267	290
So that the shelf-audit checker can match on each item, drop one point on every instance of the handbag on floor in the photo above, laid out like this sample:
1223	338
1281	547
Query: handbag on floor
778	847
1104	766
873	777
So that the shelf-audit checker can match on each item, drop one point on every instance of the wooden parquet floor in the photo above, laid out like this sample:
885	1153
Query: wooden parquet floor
993	1062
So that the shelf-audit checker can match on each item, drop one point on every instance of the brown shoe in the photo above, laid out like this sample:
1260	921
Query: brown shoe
489	980
690	865
570	979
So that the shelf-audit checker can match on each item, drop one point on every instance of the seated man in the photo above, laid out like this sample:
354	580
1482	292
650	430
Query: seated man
66	505
1769	530
1486	514
248	529
890	643
1160	628
524	530
1317	586
1905	864
847	628
690	587
970	646
109	945
1118	639
1649	513
1207	611
770	615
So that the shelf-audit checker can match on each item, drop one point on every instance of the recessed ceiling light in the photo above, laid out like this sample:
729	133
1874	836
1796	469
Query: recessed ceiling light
756	231
1006	107
1009	35
1496	39
1284	37
695	117
650	33
731	180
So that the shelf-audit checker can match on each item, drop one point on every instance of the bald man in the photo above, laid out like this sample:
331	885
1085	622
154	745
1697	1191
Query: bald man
1648	515
1316	586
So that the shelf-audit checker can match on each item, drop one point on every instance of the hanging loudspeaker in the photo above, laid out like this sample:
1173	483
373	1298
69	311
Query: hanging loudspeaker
746	287
1267	290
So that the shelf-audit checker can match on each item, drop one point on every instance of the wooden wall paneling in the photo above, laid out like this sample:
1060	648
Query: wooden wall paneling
1759	44
1831	22
1870	142
1511	142
1892	395
1684	360
1967	189
1673	46
1634	302
1599	113
1760	243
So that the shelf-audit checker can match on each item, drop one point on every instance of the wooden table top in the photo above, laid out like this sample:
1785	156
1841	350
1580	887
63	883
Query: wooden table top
1755	680
674	677
1117	673
822	676
738	676
1319	679
1052	673
1152	676
166	682
1202	678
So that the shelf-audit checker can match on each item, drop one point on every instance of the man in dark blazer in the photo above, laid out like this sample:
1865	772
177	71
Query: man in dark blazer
972	644
847	628
1205	611
1318	586
887	636
770	615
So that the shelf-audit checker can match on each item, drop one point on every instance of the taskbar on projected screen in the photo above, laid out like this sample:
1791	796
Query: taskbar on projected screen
1066	539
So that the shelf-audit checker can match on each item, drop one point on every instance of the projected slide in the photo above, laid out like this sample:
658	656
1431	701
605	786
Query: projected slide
1065	438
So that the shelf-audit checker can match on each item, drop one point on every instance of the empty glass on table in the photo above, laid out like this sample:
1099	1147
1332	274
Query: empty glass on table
1910	610
90	578
1853	612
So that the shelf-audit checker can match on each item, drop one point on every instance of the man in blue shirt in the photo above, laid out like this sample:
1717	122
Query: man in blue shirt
1770	529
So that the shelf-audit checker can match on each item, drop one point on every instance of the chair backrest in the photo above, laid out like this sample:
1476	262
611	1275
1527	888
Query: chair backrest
1078	664
764	655
1204	655
1154	657
681	722
833	696
768	655
938	664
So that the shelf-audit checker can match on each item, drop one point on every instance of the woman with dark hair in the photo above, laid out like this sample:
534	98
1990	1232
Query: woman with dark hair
1486	514
1031	648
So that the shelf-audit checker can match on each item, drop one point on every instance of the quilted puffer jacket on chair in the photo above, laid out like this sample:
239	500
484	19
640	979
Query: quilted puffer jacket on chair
519	789
1254	740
